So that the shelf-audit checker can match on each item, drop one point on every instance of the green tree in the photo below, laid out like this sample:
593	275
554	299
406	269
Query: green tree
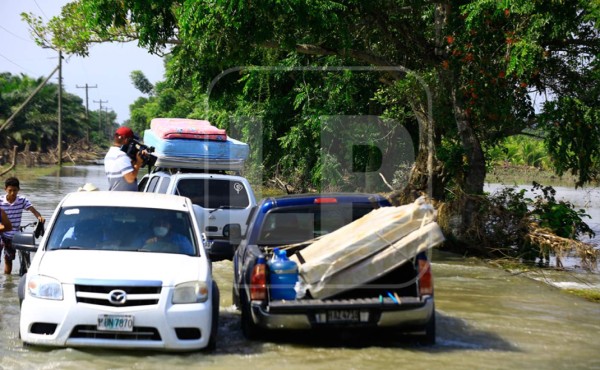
141	83
481	60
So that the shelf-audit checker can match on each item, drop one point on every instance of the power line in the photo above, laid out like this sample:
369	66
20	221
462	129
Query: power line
38	6
10	61
14	34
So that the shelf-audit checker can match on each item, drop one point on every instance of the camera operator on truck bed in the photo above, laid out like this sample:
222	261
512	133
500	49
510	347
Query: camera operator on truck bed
121	170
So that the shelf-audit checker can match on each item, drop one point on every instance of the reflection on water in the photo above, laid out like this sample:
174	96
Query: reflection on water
487	318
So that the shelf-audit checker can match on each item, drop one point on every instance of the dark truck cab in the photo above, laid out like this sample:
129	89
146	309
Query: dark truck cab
401	301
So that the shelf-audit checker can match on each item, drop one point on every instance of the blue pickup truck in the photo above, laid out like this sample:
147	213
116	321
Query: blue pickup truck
408	309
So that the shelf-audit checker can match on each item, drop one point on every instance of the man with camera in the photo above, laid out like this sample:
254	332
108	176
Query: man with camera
121	170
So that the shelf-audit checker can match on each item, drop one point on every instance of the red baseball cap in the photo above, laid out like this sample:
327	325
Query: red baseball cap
124	131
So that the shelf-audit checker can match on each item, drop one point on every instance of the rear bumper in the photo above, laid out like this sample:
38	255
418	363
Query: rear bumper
373	313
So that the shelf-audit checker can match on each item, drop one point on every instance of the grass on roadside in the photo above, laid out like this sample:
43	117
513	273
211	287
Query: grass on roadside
525	175
589	294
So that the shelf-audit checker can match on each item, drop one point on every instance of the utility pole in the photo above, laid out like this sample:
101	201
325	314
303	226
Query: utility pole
107	121
60	108
86	87
100	114
87	117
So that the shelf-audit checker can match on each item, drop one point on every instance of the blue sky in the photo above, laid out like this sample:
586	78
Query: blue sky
108	66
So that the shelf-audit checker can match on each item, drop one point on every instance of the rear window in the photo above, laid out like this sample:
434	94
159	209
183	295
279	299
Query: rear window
214	193
299	224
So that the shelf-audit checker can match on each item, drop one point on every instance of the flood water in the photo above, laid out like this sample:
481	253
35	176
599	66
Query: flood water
487	318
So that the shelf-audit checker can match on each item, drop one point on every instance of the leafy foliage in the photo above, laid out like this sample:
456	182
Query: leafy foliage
482	59
458	78
559	216
506	215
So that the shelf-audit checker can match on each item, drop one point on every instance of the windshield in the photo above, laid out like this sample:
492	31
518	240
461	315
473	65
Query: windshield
214	193
299	224
123	229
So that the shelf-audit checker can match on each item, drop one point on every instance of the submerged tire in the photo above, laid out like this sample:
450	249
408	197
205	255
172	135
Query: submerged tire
428	338
21	289
214	327
250	330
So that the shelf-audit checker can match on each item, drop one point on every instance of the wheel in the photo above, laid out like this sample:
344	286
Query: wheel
428	338
21	289
214	327
235	298
249	328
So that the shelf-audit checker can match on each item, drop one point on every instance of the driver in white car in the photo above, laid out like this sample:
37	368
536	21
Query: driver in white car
164	239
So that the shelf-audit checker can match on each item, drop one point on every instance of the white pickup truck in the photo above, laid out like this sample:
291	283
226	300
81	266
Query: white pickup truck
106	275
228	200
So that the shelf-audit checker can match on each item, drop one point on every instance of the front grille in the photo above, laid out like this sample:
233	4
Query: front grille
138	333
136	295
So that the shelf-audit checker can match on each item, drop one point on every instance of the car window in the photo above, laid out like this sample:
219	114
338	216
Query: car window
152	184
164	185
298	224
214	193
121	229
142	183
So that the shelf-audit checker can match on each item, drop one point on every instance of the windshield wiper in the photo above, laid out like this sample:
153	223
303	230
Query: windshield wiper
225	207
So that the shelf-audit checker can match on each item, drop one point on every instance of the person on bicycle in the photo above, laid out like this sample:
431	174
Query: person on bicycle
14	204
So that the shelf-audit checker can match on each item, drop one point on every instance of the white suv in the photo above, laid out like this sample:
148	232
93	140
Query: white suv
102	278
229	200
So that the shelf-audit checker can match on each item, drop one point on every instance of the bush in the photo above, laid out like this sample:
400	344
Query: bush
510	213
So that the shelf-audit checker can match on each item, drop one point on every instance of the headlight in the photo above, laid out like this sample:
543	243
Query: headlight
45	287
190	292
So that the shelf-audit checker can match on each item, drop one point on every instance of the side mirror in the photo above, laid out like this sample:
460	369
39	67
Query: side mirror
24	241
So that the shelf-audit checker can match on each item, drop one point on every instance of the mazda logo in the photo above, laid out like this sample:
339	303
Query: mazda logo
117	296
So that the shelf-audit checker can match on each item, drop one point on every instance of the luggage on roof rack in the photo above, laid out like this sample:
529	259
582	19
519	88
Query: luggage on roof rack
184	128
196	144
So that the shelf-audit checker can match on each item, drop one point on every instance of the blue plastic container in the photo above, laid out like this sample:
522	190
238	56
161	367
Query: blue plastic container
284	275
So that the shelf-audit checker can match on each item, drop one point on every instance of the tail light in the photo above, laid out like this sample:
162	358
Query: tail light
258	281
425	278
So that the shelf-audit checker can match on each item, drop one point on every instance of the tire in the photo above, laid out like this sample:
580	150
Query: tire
214	327
235	298
428	338
21	289
250	330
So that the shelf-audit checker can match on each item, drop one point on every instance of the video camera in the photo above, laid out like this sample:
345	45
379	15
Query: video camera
134	147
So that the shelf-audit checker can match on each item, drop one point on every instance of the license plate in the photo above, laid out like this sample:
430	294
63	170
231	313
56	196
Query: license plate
334	316
115	322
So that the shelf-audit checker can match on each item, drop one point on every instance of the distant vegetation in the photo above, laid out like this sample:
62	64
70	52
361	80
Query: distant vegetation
35	127
519	151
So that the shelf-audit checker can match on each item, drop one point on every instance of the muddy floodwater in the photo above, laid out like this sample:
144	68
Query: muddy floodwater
487	318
